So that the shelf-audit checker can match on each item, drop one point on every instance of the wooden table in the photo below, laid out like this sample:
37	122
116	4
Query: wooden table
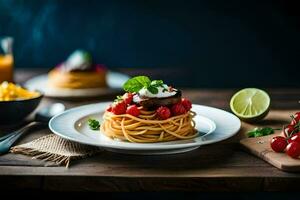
217	167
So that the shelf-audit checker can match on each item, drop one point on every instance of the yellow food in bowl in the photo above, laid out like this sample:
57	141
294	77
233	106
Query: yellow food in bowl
12	92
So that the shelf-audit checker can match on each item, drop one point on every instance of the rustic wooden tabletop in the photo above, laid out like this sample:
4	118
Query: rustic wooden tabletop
217	167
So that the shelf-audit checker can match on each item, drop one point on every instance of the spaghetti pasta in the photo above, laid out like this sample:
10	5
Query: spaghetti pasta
147	128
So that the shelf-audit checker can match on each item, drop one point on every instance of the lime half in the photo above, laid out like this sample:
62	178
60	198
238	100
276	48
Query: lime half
250	104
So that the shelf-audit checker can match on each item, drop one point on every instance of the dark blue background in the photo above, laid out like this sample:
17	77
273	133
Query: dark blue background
218	43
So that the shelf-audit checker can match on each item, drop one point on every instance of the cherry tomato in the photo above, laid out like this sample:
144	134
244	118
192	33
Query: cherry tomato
109	108
163	112
293	149
278	144
288	130
297	115
295	138
186	103
128	97
119	108
296	119
133	110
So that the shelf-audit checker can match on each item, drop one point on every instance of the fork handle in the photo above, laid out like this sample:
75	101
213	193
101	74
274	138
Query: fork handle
14	136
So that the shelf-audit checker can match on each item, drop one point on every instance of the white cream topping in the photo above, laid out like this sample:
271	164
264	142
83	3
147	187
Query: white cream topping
162	92
136	98
78	60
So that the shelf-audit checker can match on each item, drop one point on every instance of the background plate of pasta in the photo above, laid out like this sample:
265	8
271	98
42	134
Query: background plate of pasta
149	118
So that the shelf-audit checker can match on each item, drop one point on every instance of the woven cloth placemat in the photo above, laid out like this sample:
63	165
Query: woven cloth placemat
56	149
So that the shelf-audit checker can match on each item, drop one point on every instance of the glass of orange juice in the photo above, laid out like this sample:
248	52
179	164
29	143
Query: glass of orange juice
6	59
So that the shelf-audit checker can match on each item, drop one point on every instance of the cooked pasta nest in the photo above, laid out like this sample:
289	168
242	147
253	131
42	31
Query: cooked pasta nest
147	128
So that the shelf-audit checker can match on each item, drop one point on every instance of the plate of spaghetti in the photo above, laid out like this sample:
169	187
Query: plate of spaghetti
149	118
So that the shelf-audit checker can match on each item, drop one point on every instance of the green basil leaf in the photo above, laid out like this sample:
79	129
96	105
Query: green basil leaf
267	131
258	132
152	89
156	83
119	98
94	124
136	83
251	133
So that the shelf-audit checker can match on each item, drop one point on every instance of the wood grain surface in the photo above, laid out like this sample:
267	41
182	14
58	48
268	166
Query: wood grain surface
261	148
218	167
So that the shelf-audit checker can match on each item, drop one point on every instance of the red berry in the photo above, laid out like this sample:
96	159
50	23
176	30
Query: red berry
163	112
278	144
296	119
178	109
133	110
109	108
186	103
293	122
295	138
297	115
288	130
119	108
293	149
127	97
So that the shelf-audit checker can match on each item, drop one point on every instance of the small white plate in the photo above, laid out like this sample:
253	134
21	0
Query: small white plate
114	81
213	124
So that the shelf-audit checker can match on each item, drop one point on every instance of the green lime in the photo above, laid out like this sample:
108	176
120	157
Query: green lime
250	104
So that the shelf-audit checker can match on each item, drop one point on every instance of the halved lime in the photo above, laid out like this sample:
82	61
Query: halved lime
250	104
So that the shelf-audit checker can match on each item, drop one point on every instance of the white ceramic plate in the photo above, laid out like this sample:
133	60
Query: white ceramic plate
213	124
114	81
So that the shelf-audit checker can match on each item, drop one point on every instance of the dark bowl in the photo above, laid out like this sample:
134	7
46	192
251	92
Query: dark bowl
17	110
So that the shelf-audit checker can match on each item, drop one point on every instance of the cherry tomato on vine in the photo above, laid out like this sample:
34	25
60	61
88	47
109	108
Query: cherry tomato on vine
278	144
288	130
295	138
296	119
293	149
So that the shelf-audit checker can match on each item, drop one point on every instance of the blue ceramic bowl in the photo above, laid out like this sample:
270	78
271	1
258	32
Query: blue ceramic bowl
17	110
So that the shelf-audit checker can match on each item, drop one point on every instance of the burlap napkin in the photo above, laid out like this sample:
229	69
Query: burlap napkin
56	149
